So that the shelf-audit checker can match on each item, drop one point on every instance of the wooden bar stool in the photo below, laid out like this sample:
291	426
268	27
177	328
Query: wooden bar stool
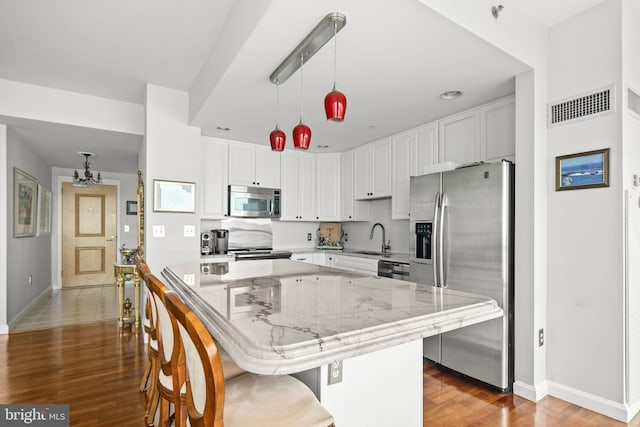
149	329
248	400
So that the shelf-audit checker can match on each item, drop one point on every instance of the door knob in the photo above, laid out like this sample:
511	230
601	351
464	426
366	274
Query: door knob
111	239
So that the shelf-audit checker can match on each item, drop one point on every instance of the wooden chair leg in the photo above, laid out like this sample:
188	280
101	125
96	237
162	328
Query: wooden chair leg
144	382
154	393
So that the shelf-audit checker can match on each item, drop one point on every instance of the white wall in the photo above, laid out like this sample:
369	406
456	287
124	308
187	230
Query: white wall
171	151
26	255
4	227
585	240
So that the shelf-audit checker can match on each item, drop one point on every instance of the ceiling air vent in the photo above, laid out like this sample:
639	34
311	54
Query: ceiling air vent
587	106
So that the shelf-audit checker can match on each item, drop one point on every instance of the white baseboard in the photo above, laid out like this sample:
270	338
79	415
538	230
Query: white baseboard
589	401
4	329
28	307
633	410
530	392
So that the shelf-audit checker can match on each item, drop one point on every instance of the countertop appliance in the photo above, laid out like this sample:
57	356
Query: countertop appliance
462	238
393	269
207	243
221	239
253	202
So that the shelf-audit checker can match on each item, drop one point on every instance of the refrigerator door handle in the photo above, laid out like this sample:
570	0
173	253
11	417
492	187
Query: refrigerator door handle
444	204
434	239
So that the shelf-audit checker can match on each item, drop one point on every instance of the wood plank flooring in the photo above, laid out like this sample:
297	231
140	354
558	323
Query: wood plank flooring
96	369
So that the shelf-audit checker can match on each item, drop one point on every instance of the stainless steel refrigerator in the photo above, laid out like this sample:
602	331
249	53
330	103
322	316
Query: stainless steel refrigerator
462	238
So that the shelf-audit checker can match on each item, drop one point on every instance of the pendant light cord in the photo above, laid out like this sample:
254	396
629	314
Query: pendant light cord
277	103
301	86
335	53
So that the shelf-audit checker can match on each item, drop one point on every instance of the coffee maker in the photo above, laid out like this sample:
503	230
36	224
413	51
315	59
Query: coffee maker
207	243
221	238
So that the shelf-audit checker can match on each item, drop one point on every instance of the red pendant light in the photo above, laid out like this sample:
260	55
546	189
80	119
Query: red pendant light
277	138
335	103
302	132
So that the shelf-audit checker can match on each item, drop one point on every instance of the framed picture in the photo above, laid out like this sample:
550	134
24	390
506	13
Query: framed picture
132	207
25	192
44	211
582	170
174	196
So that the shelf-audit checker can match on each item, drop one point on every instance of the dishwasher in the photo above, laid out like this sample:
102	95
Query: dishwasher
393	269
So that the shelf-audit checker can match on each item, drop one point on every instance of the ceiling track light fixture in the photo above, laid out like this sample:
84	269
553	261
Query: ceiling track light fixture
88	179
318	37
277	138
302	132
495	10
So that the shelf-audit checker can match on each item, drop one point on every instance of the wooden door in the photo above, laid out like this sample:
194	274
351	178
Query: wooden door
88	234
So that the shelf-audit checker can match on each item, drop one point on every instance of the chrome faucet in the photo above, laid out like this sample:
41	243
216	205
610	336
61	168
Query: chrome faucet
384	247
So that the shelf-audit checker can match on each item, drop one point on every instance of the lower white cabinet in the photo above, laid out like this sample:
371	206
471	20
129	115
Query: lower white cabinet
356	264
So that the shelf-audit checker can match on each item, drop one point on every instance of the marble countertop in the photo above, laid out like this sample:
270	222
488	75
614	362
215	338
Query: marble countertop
282	316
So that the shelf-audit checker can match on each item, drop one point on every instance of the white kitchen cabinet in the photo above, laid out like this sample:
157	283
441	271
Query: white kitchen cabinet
459	137
298	197
356	264
253	165
372	170
214	166
328	187
319	258
351	209
303	257
411	152
498	130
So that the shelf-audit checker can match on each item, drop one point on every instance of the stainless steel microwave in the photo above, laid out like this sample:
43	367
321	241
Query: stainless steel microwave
254	202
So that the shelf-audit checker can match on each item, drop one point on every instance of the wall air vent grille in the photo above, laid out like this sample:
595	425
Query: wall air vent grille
588	106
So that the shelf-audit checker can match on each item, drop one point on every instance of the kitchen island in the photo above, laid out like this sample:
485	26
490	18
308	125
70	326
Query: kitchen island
287	317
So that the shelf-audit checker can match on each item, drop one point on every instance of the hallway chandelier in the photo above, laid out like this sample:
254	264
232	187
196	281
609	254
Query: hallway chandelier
88	179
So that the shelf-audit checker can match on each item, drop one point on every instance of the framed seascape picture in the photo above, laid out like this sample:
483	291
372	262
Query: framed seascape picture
174	196
44	210
25	192
582	170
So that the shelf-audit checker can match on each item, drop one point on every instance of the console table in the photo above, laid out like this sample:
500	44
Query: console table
125	272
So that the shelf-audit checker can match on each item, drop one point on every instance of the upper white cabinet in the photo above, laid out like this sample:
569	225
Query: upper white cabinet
351	209
253	165
498	130
372	176
483	134
328	187
298	198
411	152
214	166
460	138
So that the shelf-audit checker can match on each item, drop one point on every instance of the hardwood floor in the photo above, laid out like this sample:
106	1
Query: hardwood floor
96	370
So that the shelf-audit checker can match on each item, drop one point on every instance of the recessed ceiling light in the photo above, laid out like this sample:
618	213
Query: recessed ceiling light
451	94
372	126
322	146
223	128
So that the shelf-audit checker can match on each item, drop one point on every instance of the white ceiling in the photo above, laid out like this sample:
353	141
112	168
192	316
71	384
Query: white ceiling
393	61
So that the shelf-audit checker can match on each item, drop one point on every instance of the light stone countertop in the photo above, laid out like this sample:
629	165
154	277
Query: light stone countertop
281	316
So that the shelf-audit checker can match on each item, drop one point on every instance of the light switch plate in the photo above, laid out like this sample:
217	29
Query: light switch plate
189	231
189	279
126	228
158	231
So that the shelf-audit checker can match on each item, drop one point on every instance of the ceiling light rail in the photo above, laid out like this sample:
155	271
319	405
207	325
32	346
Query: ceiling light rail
318	37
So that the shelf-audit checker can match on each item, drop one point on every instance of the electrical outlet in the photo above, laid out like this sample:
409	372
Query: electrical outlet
189	279
540	337
346	237
335	372
157	231
30	279
309	237
189	231
126	228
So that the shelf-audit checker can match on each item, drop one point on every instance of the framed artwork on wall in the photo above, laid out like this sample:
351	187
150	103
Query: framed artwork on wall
132	207
174	196
44	211
582	170
25	192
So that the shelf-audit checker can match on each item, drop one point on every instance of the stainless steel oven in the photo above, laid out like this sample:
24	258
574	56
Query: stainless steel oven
254	202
